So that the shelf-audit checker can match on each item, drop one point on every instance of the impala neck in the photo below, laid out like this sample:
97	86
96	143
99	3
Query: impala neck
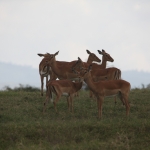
103	64
89	82
55	68
89	61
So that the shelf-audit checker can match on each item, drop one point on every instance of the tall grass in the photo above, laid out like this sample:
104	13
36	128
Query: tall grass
24	126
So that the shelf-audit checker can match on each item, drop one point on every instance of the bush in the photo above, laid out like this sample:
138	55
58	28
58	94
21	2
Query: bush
21	87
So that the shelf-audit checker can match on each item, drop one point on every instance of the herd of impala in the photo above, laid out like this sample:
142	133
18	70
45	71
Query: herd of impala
100	80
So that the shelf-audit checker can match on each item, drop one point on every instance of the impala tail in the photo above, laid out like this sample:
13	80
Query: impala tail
117	74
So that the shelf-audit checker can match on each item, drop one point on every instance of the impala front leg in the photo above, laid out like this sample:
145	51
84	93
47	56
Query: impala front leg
55	102
68	102
99	103
45	103
71	102
42	83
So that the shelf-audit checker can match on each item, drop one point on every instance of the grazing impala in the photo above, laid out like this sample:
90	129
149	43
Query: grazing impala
101	89
46	70
59	88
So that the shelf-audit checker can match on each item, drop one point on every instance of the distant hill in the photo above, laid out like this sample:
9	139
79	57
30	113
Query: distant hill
136	78
12	75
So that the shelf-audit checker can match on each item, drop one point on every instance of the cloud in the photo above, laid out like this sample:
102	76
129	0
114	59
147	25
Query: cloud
31	27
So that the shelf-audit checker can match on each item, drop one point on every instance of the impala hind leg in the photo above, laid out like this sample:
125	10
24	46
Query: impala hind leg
99	104
126	102
121	98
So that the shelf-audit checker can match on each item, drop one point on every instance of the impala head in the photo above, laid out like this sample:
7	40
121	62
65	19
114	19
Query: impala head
78	65
86	71
46	62
106	56
82	70
93	57
50	59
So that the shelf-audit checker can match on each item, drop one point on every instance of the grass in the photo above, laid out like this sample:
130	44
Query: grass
23	125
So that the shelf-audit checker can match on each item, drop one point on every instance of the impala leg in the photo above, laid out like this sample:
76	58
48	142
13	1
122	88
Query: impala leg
45	103
42	83
55	102
76	94
126	104
46	81
99	103
71	102
68	102
121	98
91	94
115	99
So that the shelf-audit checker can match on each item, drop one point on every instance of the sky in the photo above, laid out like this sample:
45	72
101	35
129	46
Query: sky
120	27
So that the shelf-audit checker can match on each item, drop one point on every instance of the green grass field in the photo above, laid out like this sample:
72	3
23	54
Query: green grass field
24	127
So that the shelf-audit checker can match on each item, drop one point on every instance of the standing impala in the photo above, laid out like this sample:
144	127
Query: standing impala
101	89
45	70
59	88
100	74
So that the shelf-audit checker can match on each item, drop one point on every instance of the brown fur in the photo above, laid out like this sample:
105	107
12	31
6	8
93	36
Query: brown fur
58	87
107	88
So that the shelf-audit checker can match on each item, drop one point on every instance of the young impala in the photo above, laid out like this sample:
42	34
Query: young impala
59	88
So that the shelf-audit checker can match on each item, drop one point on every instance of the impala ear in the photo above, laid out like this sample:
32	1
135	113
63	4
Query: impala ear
88	51
40	55
99	52
79	59
56	53
103	50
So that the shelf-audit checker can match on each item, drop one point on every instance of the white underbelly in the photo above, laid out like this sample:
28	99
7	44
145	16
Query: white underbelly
111	93
65	94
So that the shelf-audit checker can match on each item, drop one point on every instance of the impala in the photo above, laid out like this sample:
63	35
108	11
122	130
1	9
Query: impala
101	89
100	74
45	70
106	57
59	88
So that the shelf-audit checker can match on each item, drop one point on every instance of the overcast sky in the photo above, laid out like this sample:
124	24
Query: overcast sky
121	27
